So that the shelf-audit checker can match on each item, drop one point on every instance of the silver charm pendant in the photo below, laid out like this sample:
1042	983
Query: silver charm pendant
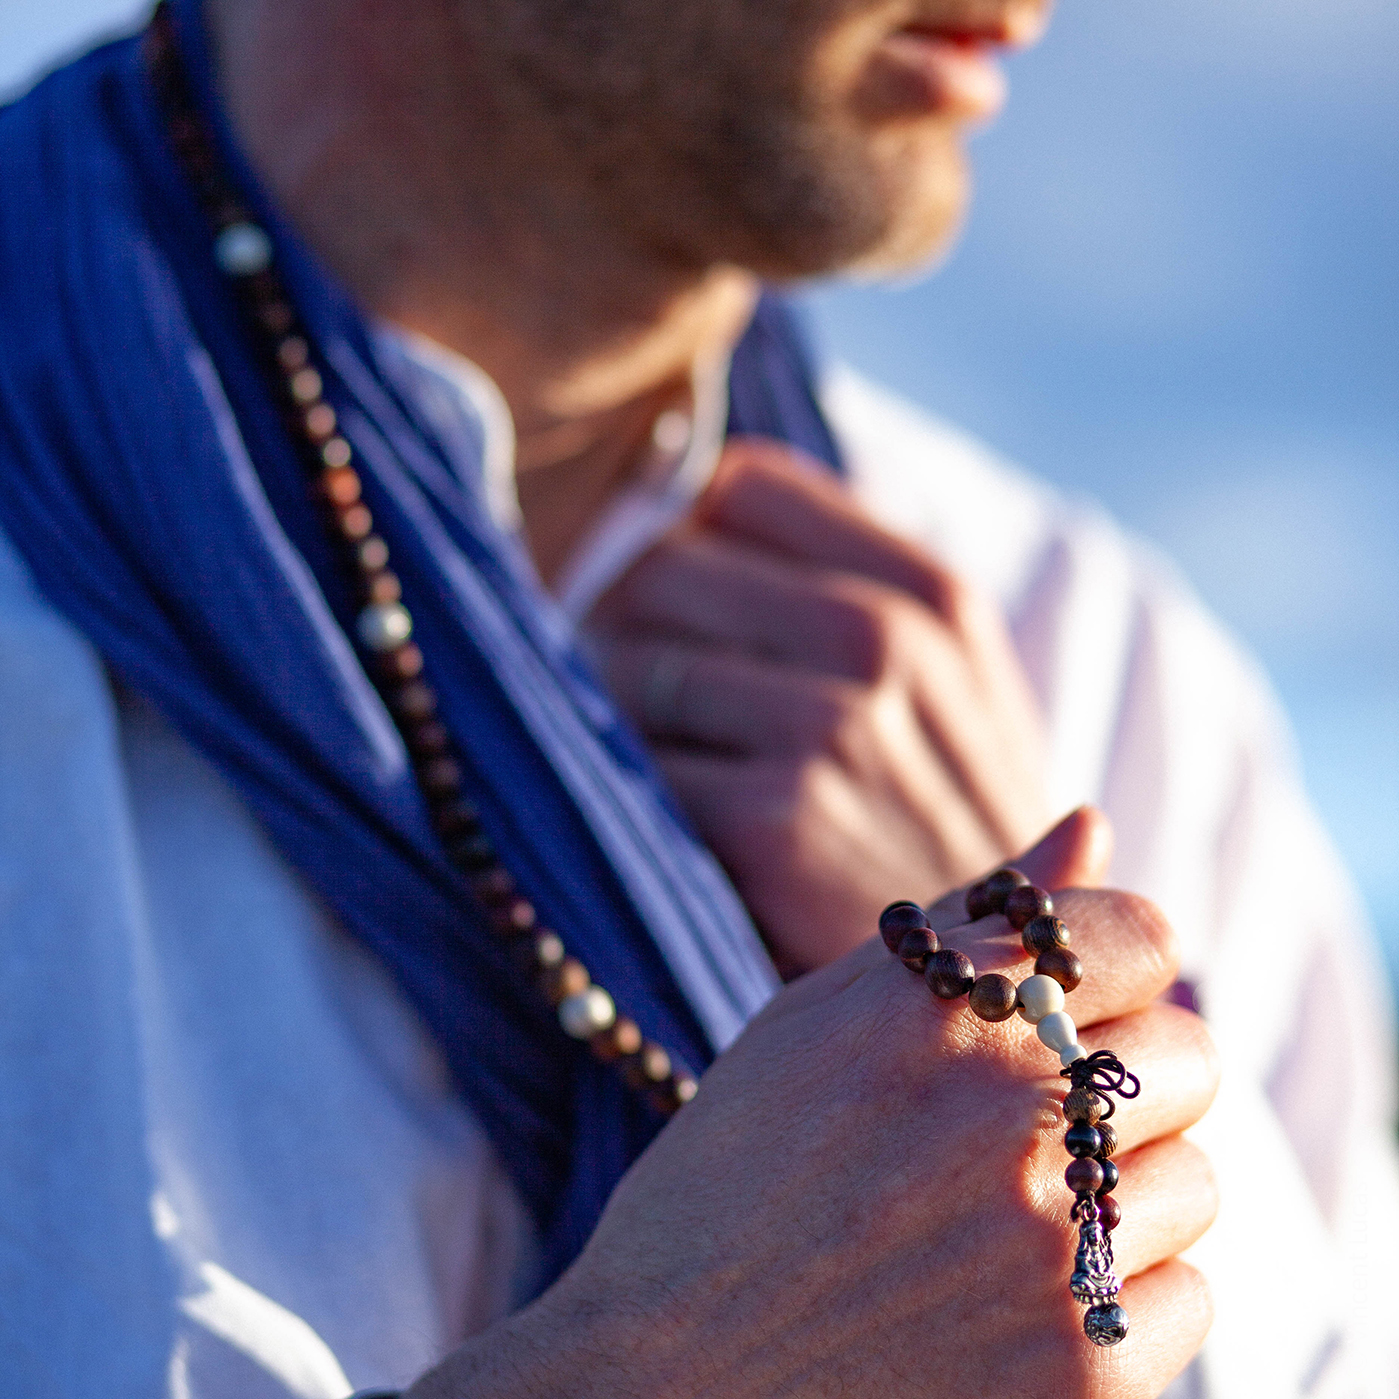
1093	1279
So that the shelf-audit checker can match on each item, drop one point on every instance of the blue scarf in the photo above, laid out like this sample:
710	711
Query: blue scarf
150	484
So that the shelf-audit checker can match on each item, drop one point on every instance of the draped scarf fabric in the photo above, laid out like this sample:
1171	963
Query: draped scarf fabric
148	480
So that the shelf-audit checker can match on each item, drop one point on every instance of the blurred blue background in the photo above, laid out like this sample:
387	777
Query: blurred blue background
1179	292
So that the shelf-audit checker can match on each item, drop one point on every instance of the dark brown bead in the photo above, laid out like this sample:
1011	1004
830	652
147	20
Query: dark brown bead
1084	1177
949	974
979	901
1000	885
471	852
403	662
1109	1136
493	886
1110	1179
457	818
654	1063
1040	934
673	1094
383	588
276	317
1082	1140
372	554
414	701
428	740
292	353
917	946
355	522
516	918
1025	903
440	777
898	919
319	421
1061	964
619	1042
570	978
1109	1213
993	997
340	485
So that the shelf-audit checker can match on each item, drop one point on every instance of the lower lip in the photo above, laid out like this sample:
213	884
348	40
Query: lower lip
951	77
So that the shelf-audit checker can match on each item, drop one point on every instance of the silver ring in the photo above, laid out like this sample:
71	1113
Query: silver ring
660	695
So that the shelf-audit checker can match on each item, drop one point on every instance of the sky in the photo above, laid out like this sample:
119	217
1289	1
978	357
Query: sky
1178	292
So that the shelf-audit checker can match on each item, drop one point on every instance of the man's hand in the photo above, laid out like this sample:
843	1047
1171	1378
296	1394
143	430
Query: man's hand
867	1197
843	718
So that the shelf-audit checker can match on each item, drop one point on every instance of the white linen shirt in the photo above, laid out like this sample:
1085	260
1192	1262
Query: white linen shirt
231	1164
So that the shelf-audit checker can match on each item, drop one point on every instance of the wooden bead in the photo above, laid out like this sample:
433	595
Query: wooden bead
1000	886
992	997
305	386
403	662
428	740
319	421
354	523
548	950
1083	1105
493	886
414	701
1061	965
1109	1136
1109	1213
569	978
471	851
620	1042
457	818
949	974
372	554
292	353
1040	934
898	919
1110	1178
979	902
440	777
649	1066
1085	1176
341	485
336	452
916	947
516	917
383	588
1025	903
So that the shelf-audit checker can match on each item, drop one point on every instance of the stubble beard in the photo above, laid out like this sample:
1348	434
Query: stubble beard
698	142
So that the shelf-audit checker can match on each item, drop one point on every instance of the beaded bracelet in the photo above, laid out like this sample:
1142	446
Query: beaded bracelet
1092	1174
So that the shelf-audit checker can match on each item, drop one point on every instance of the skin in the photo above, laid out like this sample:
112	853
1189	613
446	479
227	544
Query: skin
866	1198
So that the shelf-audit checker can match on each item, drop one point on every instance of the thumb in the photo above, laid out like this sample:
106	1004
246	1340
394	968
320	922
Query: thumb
1071	855
1074	854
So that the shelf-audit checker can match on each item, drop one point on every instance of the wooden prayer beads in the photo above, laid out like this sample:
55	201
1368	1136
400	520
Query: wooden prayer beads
383	626
1089	1140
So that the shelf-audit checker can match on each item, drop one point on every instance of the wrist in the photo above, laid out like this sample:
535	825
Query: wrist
560	1344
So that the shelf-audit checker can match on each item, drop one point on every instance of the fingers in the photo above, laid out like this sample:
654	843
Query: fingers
1169	1198
1171	1313
1074	853
1173	1056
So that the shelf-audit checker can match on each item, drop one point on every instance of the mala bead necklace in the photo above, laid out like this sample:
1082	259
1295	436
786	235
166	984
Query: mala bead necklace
1093	1078
384	627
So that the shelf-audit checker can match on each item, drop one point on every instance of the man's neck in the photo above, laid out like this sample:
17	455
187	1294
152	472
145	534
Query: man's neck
447	209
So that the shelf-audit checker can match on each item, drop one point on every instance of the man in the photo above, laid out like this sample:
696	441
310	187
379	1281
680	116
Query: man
282	1117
